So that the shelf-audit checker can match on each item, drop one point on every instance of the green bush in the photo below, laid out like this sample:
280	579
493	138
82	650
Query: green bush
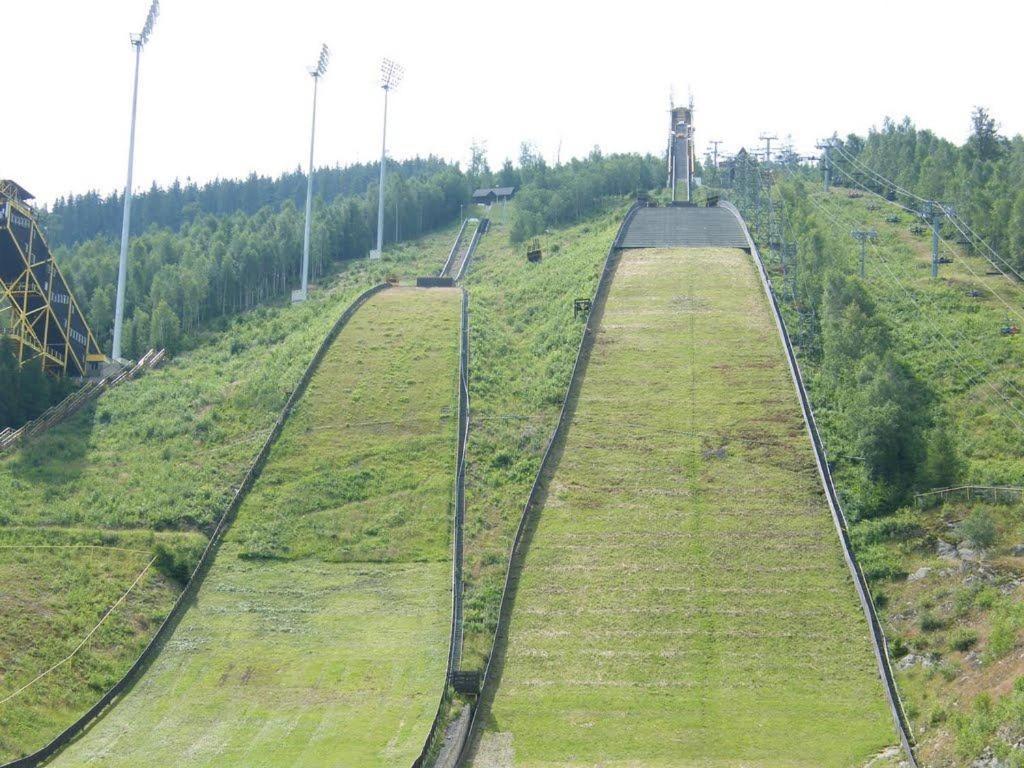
929	622
879	562
979	528
176	558
1002	640
963	639
900	526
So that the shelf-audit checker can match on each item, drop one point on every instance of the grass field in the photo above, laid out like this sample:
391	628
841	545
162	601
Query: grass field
152	462
683	600
320	635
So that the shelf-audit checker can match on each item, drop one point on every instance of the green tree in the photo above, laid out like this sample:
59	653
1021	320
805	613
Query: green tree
942	465
165	329
34	389
887	415
10	404
985	139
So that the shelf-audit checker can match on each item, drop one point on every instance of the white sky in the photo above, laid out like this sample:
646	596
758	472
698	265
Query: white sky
224	88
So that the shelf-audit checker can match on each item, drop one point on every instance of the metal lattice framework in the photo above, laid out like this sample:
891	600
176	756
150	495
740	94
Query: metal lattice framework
43	317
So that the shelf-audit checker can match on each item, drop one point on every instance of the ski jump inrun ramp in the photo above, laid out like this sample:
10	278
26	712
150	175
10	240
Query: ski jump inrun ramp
681	593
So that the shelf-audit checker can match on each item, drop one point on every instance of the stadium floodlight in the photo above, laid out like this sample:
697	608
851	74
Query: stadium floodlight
138	41
316	73
390	76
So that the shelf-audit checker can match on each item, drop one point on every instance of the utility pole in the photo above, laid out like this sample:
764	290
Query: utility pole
714	152
138	41
768	146
826	162
934	211
863	235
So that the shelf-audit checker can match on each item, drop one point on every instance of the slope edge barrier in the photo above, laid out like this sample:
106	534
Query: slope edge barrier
458	519
481	228
878	640
152	649
548	462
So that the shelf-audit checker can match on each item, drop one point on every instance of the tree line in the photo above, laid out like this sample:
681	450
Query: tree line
983	178
76	218
211	264
568	192
215	265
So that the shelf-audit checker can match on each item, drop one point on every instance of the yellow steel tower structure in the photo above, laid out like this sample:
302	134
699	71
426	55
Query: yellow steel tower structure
42	316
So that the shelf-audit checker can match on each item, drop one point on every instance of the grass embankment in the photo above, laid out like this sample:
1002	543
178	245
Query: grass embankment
320	635
523	342
152	462
683	599
954	622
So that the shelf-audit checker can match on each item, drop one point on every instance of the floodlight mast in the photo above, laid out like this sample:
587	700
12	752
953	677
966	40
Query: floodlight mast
390	76
316	72
138	41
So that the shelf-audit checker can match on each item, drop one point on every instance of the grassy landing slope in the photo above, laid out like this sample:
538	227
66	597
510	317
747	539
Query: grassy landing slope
523	341
683	600
320	635
153	461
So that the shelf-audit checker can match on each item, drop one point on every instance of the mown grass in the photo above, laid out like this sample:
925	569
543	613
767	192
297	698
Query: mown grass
683	600
523	340
153	461
960	621
290	657
359	472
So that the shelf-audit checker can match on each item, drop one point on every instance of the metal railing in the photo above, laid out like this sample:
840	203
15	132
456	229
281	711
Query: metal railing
454	250
70	405
480	228
996	494
878	640
152	649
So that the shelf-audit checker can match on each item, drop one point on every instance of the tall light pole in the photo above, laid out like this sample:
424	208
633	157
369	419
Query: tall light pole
316	72
138	41
390	76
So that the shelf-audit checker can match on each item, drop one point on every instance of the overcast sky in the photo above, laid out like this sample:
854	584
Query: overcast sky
225	89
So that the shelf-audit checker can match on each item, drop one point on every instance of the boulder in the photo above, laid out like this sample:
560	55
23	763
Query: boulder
946	550
913	660
919	574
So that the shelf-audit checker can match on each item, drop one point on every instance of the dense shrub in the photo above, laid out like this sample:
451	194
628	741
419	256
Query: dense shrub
979	528
177	557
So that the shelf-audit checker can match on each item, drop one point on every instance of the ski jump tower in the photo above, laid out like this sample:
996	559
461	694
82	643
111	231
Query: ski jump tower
37	308
680	153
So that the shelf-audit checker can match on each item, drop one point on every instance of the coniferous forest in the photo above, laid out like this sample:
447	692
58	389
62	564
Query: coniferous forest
203	253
